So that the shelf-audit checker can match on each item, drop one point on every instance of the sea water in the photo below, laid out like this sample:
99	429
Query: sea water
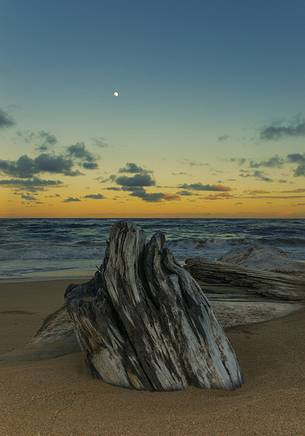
38	248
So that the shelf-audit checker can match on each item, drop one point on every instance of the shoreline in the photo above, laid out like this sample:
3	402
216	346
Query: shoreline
44	279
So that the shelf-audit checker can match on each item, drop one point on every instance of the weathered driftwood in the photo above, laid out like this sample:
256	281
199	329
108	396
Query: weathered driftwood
143	322
231	282
238	296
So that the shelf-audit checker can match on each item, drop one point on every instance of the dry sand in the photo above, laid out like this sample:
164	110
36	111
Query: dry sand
58	397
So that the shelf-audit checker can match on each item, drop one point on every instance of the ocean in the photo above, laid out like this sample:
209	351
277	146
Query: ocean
46	248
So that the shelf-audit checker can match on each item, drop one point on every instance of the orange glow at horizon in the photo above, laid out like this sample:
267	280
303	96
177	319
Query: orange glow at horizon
129	207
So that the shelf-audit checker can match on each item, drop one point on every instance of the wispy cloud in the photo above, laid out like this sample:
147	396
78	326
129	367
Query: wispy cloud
274	197
201	187
223	138
151	197
185	193
257	192
239	160
71	200
294	191
276	131
220	196
99	142
43	140
257	174
193	163
299	160
273	162
34	184
28	197
95	196
6	120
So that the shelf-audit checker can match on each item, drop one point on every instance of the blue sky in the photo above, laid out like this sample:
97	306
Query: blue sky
227	62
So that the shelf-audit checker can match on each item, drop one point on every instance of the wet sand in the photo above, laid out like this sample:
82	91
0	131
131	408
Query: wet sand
58	397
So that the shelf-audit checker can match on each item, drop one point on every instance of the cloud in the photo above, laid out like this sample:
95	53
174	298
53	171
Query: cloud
137	180
294	191
95	196
192	163
43	139
223	137
133	168
90	165
275	197
113	188
221	196
200	187
135	184
140	176
34	184
80	153
151	197
299	159
277	131
185	193
99	142
71	200
53	196
239	160
6	120
28	197
46	140
273	162
106	179
54	164
257	174
26	167
258	191
198	164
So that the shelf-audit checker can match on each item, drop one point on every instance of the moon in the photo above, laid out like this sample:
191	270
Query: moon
116	93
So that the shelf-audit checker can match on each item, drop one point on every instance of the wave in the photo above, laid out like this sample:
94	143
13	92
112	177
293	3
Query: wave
43	242
65	248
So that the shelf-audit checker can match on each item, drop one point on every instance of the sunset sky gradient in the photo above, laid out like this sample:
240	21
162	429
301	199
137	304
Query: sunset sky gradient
210	120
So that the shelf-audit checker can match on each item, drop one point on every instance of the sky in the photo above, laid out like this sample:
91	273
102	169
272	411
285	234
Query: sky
209	121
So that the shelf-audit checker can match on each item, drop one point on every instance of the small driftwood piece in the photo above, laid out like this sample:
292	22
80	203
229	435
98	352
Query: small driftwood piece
143	322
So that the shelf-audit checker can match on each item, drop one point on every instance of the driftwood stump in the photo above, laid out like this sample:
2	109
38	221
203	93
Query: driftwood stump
143	322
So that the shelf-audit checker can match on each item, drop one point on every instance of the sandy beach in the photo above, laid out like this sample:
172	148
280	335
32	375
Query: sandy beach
58	397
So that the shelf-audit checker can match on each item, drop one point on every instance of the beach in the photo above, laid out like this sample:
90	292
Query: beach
59	397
